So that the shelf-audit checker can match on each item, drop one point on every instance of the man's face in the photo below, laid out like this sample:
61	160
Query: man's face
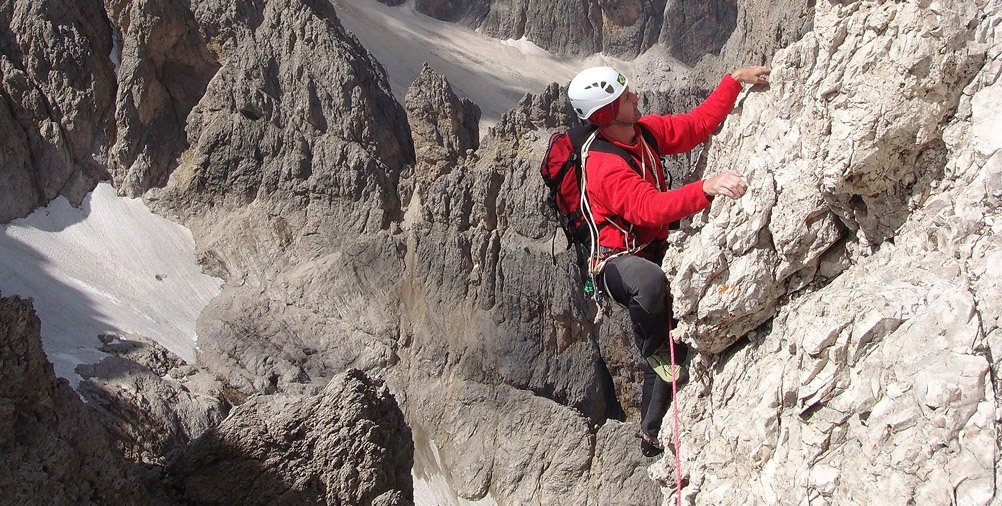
628	111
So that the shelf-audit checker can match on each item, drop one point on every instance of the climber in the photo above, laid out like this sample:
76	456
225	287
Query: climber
630	211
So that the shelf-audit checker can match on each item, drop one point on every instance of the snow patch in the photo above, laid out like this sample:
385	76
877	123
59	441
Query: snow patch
108	266
526	47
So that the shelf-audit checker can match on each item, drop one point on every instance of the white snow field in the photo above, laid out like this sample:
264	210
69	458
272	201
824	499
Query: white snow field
109	266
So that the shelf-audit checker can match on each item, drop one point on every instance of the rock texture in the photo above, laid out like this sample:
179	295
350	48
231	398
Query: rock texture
694	30
443	126
348	444
164	63
290	186
622	28
58	102
152	403
856	270
709	36
755	32
844	310
55	450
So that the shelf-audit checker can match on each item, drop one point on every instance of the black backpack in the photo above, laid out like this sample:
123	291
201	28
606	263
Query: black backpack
561	171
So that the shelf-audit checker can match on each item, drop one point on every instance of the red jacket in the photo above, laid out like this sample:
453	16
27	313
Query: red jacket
617	191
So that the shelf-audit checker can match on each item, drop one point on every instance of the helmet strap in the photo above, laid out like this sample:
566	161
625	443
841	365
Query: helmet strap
621	123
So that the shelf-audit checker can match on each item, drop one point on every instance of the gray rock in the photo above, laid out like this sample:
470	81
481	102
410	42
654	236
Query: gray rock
296	158
348	444
844	309
624	28
443	126
868	380
55	450
165	64
828	177
58	94
152	403
744	33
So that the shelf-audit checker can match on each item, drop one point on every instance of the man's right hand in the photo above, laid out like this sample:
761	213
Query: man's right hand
729	184
751	75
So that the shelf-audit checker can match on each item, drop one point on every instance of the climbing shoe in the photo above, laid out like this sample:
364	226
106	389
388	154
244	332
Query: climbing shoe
660	361
650	446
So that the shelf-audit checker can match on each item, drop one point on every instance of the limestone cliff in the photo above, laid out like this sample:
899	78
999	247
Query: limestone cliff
853	278
58	89
346	445
349	444
621	28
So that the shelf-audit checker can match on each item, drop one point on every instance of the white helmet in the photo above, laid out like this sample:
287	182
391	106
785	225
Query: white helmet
595	88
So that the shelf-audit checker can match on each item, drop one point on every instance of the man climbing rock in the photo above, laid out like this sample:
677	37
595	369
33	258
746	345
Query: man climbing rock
630	206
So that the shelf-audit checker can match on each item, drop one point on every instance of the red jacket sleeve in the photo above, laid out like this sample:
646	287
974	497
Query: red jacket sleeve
682	132
636	200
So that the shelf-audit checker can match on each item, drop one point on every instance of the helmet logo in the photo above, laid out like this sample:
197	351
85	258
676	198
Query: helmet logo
621	79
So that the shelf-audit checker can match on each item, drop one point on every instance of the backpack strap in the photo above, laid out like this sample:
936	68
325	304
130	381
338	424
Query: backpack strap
603	145
649	137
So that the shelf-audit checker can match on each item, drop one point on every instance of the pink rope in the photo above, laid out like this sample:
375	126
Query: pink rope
674	405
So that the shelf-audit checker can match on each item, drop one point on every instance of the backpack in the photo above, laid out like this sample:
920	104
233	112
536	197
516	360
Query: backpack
561	171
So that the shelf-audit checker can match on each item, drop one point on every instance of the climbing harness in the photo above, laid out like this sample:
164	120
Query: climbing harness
600	256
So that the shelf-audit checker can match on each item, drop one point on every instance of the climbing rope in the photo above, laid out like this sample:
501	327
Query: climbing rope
674	405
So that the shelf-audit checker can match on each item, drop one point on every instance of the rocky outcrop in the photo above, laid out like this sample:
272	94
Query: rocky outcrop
622	28
58	90
710	36
296	159
443	126
348	444
150	401
832	180
694	30
755	32
855	269
55	451
164	63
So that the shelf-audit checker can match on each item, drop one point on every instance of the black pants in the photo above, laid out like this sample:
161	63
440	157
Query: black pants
640	285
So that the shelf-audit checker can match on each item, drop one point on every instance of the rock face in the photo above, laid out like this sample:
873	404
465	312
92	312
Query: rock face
152	403
622	28
693	30
443	126
710	36
347	445
55	450
164	65
855	268
58	103
296	158
756	32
